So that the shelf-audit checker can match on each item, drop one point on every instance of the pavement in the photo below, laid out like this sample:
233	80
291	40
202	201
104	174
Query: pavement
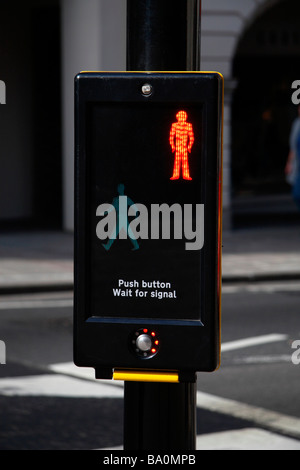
43	260
256	254
35	261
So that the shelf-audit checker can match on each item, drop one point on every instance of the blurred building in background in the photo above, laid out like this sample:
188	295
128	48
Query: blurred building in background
255	44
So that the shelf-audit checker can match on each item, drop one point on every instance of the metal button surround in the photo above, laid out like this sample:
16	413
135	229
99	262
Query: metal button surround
144	343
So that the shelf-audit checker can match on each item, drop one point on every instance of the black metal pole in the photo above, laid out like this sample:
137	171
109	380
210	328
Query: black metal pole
159	416
162	35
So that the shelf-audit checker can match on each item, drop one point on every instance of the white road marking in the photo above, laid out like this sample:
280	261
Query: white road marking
57	385
240	439
32	304
265	359
271	419
253	341
246	439
262	286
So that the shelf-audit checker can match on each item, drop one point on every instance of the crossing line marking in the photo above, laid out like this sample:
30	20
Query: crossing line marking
270	419
35	303
245	439
253	341
57	385
241	439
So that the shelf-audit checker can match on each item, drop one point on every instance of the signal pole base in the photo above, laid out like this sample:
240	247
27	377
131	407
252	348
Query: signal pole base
159	416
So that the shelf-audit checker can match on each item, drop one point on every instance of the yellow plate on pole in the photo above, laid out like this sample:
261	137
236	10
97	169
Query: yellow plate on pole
146	376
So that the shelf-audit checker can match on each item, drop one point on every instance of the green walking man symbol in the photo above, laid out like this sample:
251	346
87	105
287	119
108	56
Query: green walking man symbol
120	205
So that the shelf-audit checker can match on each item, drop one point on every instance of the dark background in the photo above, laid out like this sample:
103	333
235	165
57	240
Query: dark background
145	171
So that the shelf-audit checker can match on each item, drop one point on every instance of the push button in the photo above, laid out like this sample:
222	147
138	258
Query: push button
145	343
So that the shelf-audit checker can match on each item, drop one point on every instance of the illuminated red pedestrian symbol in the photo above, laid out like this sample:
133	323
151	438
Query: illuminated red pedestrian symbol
181	141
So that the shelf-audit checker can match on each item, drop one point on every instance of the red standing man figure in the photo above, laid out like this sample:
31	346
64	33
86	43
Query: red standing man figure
181	141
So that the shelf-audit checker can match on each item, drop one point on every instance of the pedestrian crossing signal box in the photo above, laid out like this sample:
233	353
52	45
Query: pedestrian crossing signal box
148	177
